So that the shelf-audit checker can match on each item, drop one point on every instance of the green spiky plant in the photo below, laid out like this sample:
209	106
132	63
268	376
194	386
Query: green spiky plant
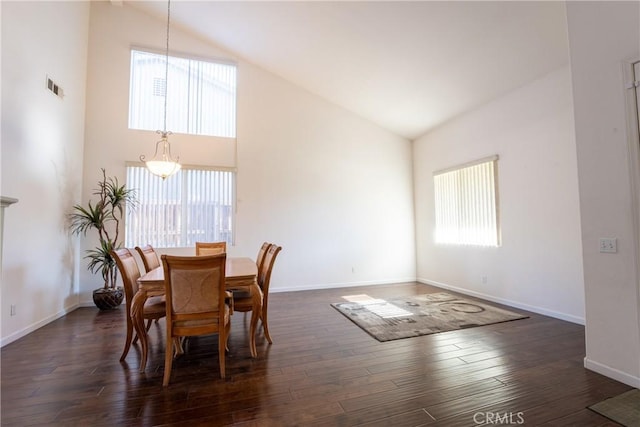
104	216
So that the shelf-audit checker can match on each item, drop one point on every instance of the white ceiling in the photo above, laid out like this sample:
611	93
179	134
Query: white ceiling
407	66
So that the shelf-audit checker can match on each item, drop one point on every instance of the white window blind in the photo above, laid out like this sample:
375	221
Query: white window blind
466	204
201	95
636	80
192	205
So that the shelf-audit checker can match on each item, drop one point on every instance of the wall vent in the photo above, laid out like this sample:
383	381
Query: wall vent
54	88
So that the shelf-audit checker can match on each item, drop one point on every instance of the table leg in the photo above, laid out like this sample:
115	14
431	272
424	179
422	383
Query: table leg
256	313
137	309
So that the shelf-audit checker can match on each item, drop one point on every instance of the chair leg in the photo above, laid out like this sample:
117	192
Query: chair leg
168	361
228	333
179	345
135	339
222	343
265	326
127	343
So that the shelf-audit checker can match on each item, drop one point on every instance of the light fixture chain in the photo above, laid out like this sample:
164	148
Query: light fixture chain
163	165
166	69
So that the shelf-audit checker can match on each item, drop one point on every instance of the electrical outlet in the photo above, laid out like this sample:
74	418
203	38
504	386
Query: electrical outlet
53	87
484	280
608	245
13	310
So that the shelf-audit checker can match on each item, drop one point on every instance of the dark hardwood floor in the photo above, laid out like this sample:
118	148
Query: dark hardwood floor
322	370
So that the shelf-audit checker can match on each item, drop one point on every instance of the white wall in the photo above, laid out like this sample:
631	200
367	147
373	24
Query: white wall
331	188
539	265
42	143
602	35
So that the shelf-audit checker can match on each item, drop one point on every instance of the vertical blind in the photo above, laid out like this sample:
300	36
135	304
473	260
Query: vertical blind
201	95
466	210
636	78
192	205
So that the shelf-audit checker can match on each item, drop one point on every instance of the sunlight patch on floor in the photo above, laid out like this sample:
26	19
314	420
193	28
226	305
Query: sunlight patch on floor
362	299
378	306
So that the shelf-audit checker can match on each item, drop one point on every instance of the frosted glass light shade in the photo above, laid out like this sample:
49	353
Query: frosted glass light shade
163	168
162	165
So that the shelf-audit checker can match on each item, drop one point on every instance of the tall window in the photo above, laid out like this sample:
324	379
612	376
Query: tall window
201	95
193	205
466	204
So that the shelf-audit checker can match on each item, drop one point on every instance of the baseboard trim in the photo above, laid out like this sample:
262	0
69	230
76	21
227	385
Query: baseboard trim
613	373
515	304
89	303
37	325
316	287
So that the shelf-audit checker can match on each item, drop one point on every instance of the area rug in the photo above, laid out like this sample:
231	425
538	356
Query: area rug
623	409
412	316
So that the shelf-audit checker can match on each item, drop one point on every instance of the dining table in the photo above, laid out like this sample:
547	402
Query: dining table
240	275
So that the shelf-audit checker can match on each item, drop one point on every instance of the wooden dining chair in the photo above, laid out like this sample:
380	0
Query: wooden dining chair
149	257
195	294
261	253
242	300
154	307
210	248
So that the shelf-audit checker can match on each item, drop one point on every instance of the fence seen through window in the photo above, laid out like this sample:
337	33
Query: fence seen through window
192	205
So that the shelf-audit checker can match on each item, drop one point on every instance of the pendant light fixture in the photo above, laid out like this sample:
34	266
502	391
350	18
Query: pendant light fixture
163	164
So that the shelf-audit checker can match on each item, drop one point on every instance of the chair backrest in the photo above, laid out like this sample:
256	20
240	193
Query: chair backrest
261	254
194	290
149	257
210	248
130	272
267	268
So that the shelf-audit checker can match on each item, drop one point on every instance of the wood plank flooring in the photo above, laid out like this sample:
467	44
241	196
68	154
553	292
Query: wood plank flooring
322	370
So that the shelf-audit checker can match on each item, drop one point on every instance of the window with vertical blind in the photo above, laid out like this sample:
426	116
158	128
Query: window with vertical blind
195	204
201	95
466	204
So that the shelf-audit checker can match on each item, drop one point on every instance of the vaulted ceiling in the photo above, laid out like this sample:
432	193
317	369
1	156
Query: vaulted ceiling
407	66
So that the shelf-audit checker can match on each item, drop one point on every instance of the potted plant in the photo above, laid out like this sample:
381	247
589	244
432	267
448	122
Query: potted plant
104	216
